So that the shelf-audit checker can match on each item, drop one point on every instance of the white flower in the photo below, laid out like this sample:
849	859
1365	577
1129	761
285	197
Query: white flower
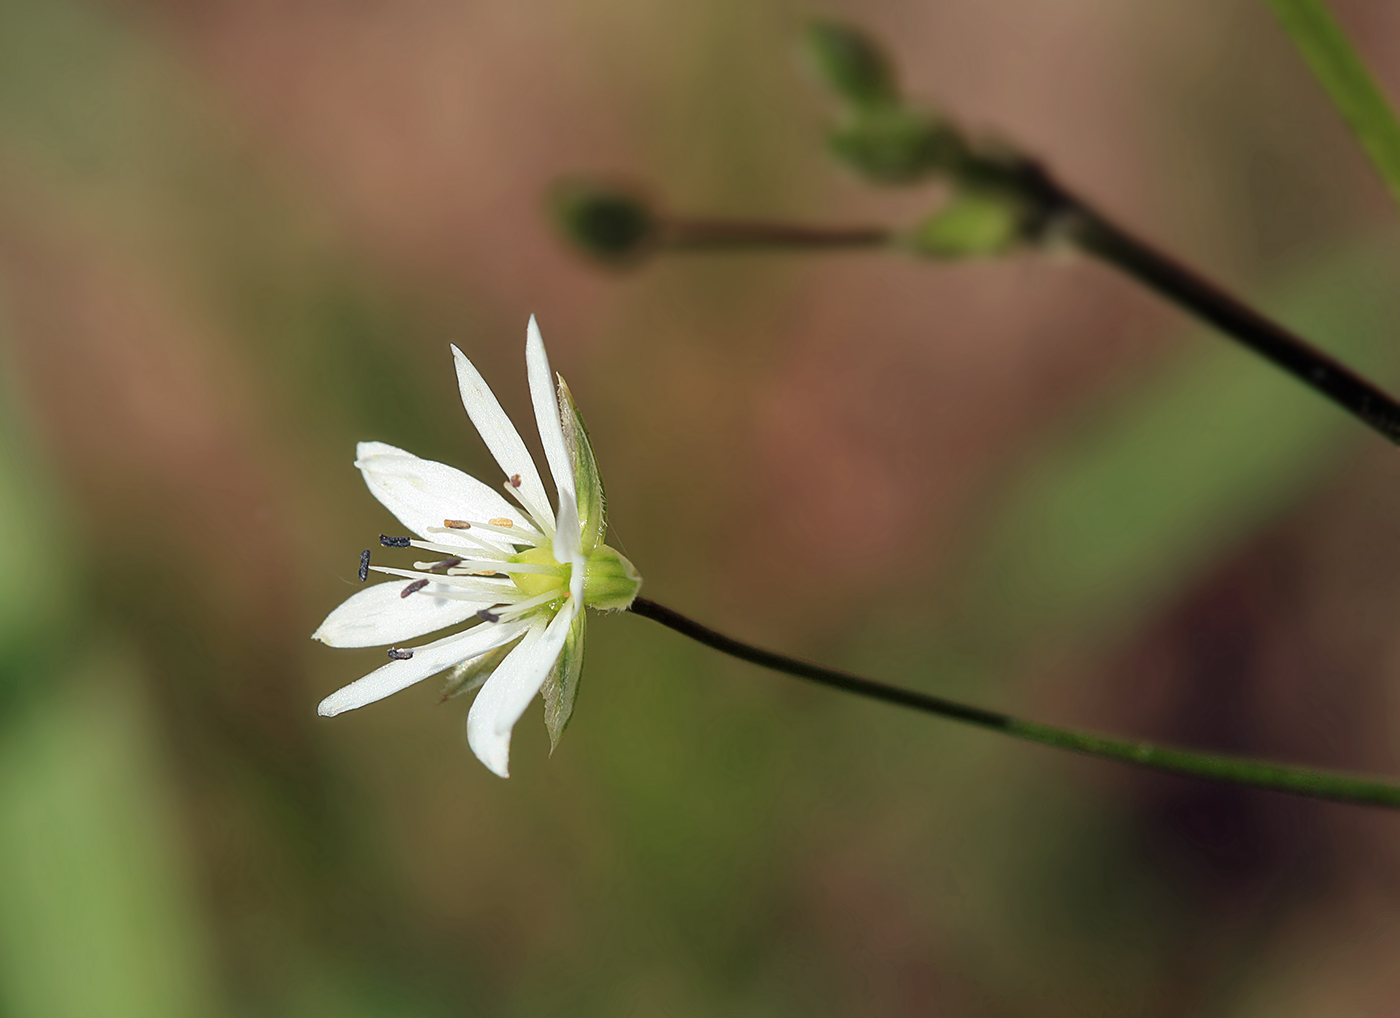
522	575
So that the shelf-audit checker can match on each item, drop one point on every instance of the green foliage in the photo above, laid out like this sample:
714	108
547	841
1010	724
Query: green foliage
1349	84
852	63
95	915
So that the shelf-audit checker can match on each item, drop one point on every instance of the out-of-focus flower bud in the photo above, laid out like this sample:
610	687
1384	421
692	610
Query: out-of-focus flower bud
852	63
605	222
973	224
897	145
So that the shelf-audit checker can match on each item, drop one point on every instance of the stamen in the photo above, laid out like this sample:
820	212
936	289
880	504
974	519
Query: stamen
364	565
394	542
473	567
487	615
462	588
545	522
413	587
517	535
400	654
493	549
491	552
436	567
520	607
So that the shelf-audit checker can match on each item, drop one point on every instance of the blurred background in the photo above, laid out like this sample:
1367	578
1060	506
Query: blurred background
237	237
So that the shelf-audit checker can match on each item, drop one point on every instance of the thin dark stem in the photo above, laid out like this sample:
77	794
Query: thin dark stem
1335	786
1190	290
735	234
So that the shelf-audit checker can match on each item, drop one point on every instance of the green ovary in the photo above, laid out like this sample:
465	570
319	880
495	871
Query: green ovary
535	584
610	581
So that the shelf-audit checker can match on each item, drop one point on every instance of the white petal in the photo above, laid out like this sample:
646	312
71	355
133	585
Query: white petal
380	615
501	438
556	449
422	494
511	688
427	660
567	549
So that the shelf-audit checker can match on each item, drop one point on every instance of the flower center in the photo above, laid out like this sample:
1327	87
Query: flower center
535	584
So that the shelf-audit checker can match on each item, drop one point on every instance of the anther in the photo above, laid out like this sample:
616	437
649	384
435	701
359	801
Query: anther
393	542
515	480
398	654
487	615
444	565
413	587
457	524
364	565
501	521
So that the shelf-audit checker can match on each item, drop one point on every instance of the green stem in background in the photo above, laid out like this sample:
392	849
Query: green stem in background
1334	786
1349	84
621	228
740	235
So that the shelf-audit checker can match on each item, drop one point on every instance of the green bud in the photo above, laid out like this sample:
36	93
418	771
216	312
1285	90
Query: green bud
611	582
852	63
606	223
898	145
972	224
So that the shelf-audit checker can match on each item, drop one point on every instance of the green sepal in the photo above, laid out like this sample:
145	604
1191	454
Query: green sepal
973	224
561	687
592	503
471	673
611	583
852	63
898	145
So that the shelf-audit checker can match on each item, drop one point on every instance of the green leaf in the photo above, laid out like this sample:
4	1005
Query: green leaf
561	687
1349	84
592	503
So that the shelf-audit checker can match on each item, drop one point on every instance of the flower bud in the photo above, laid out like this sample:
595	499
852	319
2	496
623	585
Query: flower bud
610	582
972	224
897	145
852	63
606	223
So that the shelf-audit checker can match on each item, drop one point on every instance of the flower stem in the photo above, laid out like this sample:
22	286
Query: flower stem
738	234
1335	786
1096	234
